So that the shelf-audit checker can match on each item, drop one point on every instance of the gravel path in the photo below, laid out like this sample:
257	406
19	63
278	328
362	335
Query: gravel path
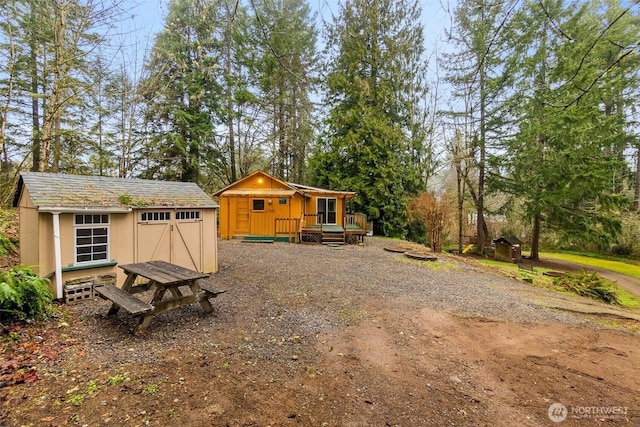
316	335
276	290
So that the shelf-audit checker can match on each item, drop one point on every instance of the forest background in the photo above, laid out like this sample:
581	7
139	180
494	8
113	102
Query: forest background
513	117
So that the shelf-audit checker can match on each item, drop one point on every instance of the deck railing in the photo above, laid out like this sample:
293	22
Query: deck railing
355	221
287	227
313	220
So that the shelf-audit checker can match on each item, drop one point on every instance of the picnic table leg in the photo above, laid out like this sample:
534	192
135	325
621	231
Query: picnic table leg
143	324
175	292
146	319
158	294
128	283
204	302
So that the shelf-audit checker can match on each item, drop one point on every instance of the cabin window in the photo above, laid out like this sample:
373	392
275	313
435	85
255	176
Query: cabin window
282	201
327	210
155	216
188	215
258	204
91	238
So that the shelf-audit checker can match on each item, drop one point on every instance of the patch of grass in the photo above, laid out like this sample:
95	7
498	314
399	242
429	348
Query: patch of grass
626	298
618	265
92	386
76	399
117	379
151	389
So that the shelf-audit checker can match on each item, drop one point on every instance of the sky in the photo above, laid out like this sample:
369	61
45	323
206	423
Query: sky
148	17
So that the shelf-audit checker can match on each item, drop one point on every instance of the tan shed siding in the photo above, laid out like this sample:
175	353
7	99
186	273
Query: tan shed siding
209	242
67	240
46	252
29	232
120	245
121	241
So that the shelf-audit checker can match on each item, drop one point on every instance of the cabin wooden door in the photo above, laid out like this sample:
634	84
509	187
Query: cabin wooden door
242	215
172	236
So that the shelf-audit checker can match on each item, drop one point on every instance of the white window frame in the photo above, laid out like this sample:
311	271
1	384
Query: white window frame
155	216
189	215
103	223
325	202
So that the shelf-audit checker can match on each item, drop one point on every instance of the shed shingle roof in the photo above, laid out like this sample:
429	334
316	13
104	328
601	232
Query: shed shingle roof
59	190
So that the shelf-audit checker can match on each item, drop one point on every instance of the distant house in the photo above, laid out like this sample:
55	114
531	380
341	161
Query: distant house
262	207
80	227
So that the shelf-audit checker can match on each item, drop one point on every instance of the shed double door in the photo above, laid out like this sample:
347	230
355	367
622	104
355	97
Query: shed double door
172	236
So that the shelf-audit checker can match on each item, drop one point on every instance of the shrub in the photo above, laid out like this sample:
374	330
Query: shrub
436	213
589	285
24	295
628	241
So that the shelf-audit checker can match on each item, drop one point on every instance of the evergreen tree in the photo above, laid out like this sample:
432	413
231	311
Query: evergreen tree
374	51
477	73
287	39
181	92
559	161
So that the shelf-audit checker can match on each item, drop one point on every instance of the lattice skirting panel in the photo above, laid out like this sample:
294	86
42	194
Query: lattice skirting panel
311	237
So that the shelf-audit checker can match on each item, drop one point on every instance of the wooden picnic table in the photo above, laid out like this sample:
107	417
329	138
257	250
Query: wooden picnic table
162	276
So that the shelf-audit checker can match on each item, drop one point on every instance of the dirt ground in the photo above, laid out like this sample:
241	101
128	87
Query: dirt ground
327	353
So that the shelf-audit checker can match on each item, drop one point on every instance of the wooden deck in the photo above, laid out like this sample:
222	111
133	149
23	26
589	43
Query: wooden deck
310	230
353	232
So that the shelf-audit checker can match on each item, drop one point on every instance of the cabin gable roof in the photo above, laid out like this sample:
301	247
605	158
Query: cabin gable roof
251	185
256	182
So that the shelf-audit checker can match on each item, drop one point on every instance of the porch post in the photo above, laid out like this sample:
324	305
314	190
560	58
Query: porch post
57	253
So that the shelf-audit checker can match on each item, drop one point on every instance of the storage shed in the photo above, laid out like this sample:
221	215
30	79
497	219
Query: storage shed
508	249
77	229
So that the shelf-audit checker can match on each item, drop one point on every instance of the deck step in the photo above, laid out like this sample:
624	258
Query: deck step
333	238
258	239
124	299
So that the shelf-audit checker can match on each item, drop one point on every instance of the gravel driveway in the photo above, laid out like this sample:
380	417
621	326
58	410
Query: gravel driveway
322	336
308	289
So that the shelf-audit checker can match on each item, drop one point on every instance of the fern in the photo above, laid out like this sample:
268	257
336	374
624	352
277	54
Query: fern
589	285
23	294
8	295
6	245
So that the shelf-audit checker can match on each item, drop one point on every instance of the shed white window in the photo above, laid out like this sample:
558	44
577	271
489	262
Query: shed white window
155	216
188	215
91	238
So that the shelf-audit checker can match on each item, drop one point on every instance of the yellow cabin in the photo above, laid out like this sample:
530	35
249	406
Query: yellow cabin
261	207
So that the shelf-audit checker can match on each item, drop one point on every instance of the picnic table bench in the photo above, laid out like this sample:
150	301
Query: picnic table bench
162	277
527	267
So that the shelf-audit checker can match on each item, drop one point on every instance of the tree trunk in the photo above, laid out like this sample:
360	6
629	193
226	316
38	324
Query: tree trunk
636	192
535	237
35	107
56	145
481	226
460	198
232	141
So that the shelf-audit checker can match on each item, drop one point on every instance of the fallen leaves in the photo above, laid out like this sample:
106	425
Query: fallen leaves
22	355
